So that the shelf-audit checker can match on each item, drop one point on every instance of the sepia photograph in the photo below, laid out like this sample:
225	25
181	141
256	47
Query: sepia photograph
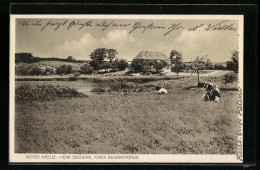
126	88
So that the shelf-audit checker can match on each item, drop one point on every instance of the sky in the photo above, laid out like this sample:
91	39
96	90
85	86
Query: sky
69	40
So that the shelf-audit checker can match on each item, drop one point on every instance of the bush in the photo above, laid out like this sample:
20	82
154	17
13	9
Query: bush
159	66
140	65
86	69
28	69
231	77
36	71
64	69
22	69
44	92
122	65
119	65
49	70
76	73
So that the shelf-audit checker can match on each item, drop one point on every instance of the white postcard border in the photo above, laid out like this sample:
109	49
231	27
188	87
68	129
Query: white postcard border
127	158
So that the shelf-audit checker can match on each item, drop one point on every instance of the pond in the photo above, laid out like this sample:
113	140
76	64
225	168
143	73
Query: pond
87	87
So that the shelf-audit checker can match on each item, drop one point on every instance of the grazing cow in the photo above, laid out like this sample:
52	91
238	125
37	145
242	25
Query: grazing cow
209	86
161	90
212	95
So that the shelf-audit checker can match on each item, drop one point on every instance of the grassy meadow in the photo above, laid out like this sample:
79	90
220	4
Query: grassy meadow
140	122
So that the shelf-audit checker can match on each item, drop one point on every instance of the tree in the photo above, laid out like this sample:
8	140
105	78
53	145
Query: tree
140	65
174	55
86	69
233	64
26	58
111	54
70	58
208	64
219	67
68	69
123	64
199	64
176	59
164	63
97	58
106	65
151	64
119	65
159	66
99	55
114	65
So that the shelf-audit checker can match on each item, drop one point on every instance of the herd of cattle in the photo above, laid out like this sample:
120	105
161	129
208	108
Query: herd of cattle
212	91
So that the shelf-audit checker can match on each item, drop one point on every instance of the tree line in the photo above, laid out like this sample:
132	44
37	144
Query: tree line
29	58
107	60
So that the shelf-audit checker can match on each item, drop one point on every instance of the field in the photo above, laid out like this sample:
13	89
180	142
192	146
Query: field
136	123
56	64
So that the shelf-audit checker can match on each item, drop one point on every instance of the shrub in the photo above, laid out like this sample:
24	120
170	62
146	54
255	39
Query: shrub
119	65
140	65
64	69
22	69
29	69
76	73
122	65
35	71
49	70
28	92
86	69
231	77
159	66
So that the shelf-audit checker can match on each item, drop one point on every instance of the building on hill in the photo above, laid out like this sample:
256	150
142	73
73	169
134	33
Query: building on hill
154	56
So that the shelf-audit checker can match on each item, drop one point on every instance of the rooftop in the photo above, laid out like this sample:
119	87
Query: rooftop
151	55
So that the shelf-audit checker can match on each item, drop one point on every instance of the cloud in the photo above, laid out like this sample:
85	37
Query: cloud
79	49
82	48
218	45
117	36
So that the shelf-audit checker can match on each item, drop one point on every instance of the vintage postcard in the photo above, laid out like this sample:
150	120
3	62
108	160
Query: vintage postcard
126	89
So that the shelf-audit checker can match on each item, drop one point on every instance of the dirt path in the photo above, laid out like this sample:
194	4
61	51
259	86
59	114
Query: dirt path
215	73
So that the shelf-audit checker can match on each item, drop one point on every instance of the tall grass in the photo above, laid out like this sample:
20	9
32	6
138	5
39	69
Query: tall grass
141	122
26	92
177	123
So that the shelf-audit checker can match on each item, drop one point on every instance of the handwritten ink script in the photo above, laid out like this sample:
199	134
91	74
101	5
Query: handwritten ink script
138	26
239	154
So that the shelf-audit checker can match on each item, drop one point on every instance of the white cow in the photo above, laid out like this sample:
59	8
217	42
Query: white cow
161	90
